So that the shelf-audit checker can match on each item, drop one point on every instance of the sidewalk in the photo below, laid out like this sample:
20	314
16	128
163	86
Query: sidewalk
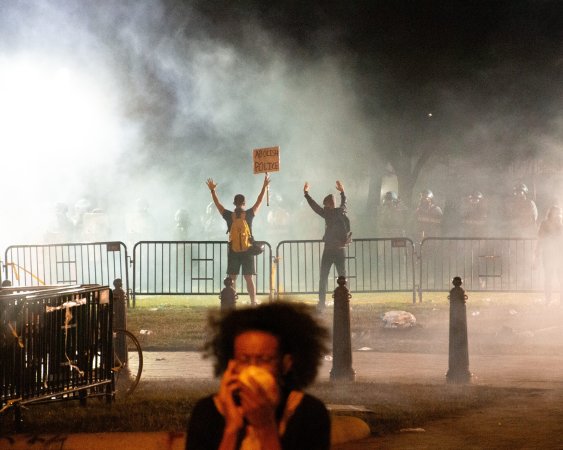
493	370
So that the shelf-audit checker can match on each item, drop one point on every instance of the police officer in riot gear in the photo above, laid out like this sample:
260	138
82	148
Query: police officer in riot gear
428	216
521	213
474	216
392	216
181	219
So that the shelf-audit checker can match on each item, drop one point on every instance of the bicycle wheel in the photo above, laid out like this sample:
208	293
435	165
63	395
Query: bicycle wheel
127	363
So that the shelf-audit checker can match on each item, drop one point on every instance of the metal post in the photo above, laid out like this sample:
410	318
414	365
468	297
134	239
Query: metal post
341	336
458	371
120	318
228	295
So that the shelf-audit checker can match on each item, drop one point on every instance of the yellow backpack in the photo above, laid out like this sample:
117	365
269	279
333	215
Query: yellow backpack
240	237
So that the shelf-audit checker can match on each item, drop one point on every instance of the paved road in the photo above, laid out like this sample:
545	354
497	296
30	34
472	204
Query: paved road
448	434
494	370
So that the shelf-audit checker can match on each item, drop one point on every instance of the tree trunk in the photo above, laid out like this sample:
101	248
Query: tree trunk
373	199
406	181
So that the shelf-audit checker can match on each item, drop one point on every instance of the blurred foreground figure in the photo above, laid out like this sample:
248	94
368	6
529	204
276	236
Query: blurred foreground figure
521	213
550	250
392	216
266	356
428	216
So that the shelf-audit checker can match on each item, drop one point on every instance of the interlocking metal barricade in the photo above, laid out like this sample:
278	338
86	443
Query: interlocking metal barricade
372	265
484	264
80	263
55	343
199	267
190	268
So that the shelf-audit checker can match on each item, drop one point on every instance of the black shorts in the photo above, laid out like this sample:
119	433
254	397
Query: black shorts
237	259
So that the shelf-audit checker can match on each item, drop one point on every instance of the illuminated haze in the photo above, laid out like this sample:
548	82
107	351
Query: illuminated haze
114	102
118	101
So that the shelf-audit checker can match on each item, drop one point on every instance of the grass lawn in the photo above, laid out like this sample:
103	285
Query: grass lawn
179	322
498	323
165	406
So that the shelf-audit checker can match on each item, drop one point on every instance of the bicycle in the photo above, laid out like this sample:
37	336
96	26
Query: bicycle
127	363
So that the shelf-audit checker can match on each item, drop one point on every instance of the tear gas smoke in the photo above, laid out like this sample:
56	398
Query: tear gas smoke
120	105
127	107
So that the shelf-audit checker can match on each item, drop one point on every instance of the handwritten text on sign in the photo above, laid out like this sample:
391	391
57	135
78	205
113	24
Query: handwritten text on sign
266	159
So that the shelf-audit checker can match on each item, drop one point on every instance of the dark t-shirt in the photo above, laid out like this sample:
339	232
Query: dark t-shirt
307	429
228	216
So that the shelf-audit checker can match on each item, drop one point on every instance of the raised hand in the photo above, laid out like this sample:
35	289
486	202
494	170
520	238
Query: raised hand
211	184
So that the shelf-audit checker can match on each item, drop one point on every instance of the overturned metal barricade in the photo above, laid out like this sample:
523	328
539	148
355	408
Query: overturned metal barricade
71	263
55	343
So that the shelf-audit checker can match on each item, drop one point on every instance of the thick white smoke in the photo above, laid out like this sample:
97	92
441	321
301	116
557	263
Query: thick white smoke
152	105
129	106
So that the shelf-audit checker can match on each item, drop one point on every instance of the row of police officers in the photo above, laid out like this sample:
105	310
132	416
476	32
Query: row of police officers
472	217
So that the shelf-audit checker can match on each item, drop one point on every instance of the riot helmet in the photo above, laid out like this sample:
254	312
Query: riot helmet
475	197
520	189
390	199
181	217
426	198
83	206
426	194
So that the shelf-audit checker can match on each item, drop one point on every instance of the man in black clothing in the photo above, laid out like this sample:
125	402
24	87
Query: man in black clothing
335	241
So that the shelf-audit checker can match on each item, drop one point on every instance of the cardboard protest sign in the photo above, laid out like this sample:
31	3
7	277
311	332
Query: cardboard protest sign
266	159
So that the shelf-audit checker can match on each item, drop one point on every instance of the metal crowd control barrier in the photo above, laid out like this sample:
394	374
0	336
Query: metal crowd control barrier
190	268
55	343
484	264
372	265
70	263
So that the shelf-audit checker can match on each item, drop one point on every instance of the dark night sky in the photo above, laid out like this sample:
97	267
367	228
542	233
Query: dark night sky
417	42
415	38
502	56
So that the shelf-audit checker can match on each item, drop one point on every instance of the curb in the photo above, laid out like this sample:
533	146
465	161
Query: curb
347	428
344	429
96	441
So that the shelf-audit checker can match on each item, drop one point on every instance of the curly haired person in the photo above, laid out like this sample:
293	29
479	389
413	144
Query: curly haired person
284	342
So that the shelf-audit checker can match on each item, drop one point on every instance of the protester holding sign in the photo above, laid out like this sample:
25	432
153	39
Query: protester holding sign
239	226
337	236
